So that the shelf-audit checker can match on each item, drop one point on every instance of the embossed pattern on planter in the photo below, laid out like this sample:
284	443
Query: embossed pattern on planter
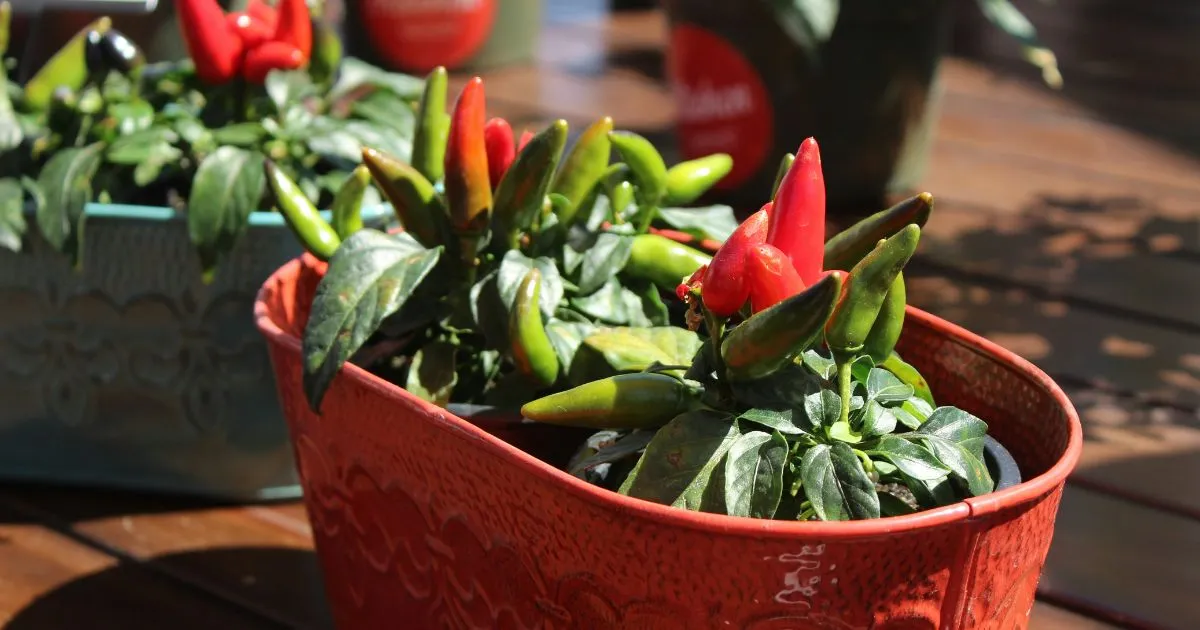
420	516
131	372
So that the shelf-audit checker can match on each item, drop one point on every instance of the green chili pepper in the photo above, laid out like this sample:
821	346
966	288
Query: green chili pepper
866	288
625	401
760	345
432	128
888	324
619	198
909	374
413	198
532	351
861	300
646	164
5	22
785	165
583	168
347	203
688	180
301	215
522	190
663	261
67	68
327	51
847	247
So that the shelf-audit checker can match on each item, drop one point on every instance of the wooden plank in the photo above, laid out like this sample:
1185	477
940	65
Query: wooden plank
49	581
1126	559
1049	617
1080	343
1105	264
231	552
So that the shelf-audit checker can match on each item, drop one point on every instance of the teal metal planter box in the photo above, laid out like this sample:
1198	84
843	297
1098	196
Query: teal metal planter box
131	372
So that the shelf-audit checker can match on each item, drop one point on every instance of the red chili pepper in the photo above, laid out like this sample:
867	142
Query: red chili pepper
252	31
263	12
725	285
295	26
798	220
525	138
466	179
498	137
271	56
771	276
216	51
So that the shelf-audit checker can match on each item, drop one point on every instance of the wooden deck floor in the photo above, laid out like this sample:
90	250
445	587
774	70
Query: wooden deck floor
1068	230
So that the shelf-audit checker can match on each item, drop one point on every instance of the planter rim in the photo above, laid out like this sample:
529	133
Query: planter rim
269	218
1027	491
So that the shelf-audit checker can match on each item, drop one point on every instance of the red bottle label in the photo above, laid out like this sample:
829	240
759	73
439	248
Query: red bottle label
419	35
722	104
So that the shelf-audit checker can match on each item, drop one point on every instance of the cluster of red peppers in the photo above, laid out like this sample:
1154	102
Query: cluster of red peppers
776	252
247	44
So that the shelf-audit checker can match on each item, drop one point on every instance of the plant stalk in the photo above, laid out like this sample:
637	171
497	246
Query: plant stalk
844	388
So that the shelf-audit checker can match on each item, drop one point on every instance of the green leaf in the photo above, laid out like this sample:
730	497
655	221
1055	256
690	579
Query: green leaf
602	261
387	109
1007	18
909	374
931	493
905	417
958	426
247	135
132	117
821	365
836	484
679	461
877	420
628	445
787	388
707	222
918	408
355	74
613	304
513	268
754	474
911	458
138	147
66	182
387	140
370	276
884	387
566	338
653	306
226	189
823	408
961	462
289	87
432	375
12	214
11	134
891	505
667	345
788	422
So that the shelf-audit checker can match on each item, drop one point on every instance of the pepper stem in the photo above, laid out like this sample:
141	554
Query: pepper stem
844	388
646	217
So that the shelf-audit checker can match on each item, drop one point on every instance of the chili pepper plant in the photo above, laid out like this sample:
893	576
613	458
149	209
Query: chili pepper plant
513	250
796	404
97	123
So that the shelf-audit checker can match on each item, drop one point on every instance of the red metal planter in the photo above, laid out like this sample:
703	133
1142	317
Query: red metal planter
425	520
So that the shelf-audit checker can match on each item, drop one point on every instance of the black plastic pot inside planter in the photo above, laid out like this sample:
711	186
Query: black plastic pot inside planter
870	98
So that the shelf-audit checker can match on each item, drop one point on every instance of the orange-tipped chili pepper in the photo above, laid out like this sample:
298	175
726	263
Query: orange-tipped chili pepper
467	183
216	51
252	31
725	284
271	56
798	220
498	137
771	277
294	26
